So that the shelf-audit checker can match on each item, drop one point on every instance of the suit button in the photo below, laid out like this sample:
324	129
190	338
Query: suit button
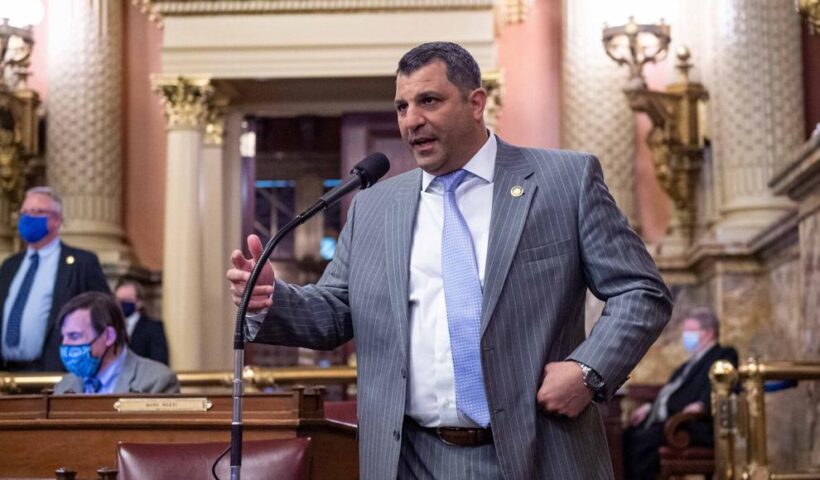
403	373
488	348
396	435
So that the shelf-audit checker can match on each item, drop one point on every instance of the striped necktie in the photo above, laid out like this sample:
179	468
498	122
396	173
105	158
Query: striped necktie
462	296
19	305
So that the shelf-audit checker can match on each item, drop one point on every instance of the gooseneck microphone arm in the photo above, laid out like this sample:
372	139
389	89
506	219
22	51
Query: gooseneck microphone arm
365	174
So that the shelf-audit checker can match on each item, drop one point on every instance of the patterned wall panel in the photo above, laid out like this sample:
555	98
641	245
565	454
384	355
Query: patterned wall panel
595	115
757	97
84	150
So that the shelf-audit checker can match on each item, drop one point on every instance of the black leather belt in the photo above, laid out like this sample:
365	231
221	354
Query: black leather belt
460	436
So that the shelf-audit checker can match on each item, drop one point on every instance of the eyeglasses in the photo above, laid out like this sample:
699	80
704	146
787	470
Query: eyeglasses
37	212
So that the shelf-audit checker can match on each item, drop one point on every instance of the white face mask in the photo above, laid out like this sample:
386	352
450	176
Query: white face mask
691	340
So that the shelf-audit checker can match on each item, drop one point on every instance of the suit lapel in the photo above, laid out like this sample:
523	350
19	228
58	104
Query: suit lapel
64	267
399	218
509	214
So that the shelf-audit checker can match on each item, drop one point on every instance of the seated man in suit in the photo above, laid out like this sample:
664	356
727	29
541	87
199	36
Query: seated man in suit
146	337
95	352
688	390
37	282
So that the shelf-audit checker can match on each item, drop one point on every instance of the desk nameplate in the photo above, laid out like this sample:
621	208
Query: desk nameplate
194	404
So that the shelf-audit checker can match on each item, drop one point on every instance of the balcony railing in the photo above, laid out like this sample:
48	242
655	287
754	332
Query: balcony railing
739	409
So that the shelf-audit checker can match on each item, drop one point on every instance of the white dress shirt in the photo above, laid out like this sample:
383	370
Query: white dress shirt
38	306
431	395
131	322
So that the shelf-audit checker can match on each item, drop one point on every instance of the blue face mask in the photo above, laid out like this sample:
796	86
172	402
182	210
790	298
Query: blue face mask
32	229
78	359
691	340
128	308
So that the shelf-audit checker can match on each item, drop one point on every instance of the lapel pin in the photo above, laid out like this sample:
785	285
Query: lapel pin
69	260
517	191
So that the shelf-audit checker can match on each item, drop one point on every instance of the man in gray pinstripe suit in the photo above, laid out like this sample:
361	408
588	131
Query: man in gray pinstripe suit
541	229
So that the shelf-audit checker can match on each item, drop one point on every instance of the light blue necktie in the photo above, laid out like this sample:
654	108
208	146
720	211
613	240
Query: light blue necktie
462	296
19	305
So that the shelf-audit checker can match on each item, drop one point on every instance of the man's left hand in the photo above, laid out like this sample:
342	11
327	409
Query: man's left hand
563	391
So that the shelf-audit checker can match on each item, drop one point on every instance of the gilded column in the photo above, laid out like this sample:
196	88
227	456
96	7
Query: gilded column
757	101
596	116
84	150
186	102
493	82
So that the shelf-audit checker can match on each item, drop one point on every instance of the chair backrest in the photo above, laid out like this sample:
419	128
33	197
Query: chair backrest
283	459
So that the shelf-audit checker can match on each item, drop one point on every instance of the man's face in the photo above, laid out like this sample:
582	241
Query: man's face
78	330
442	128
128	293
704	335
39	205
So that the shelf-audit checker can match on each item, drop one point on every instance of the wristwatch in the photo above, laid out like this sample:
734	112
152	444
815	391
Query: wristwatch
593	381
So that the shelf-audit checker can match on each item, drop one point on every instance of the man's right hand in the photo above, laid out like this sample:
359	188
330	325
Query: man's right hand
241	272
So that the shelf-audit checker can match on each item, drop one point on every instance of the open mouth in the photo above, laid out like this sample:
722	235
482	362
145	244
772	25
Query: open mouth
422	142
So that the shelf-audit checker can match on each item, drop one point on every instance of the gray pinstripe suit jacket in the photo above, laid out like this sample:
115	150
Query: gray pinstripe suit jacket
564	235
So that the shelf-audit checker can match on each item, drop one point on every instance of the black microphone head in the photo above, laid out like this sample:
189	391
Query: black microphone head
372	168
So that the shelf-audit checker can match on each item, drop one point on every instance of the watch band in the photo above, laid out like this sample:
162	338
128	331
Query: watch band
593	381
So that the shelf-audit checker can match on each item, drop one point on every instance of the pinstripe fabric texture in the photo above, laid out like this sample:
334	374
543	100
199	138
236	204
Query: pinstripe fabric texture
564	235
425	457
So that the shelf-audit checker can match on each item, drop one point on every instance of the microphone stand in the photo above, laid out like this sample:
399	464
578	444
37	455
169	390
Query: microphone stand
366	172
239	336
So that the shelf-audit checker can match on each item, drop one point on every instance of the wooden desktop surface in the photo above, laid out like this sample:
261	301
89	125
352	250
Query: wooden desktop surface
40	433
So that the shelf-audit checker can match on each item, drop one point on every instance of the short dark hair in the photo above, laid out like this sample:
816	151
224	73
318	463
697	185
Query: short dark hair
104	311
706	318
462	69
138	288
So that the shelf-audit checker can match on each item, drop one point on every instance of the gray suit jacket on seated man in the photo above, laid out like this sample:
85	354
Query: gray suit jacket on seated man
138	375
96	355
552	231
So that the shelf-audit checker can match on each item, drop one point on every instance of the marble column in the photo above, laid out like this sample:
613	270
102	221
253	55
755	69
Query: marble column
186	102
217	316
757	103
84	151
596	117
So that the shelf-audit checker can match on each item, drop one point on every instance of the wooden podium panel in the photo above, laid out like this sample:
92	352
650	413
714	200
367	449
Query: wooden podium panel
39	433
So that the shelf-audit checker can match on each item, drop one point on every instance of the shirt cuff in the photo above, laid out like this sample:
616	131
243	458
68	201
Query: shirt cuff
253	322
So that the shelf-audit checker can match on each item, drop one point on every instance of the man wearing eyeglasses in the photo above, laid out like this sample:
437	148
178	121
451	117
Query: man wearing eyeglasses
36	283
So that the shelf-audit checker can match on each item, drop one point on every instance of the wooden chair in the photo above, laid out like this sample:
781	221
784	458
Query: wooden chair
284	459
678	456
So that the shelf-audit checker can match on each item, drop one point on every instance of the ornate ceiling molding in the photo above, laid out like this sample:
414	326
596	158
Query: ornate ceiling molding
157	9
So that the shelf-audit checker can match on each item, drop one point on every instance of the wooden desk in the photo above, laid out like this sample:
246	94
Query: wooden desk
39	433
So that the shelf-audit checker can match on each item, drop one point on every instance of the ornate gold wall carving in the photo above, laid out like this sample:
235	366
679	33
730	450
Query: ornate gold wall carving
186	100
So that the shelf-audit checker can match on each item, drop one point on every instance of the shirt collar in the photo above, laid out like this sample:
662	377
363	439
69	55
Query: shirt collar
482	164
112	371
47	250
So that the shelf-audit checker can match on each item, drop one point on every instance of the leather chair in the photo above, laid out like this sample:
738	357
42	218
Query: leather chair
678	456
281	459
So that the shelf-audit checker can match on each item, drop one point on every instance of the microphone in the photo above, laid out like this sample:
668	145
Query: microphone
363	175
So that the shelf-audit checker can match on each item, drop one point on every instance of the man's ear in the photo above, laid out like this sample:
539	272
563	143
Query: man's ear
478	100
110	336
